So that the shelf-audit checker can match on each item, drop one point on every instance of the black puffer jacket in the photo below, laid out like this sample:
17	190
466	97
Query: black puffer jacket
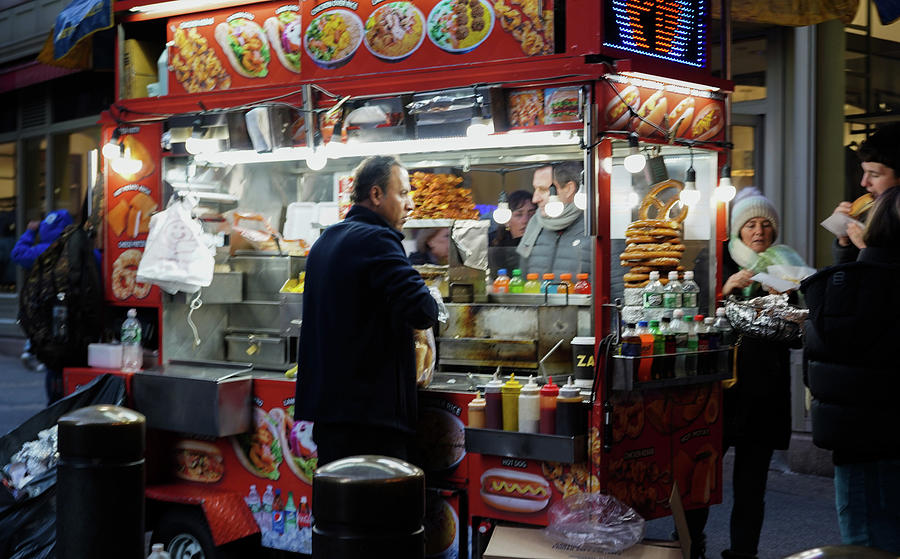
758	408
851	357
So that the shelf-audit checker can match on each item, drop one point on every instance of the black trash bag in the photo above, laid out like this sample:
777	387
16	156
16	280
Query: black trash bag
28	520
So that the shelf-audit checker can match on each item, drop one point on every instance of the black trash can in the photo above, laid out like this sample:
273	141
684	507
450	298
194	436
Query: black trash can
368	506
100	493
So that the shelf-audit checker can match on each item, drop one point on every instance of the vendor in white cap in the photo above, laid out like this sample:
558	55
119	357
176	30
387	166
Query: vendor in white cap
757	404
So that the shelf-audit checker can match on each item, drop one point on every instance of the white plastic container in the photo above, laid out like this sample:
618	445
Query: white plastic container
105	356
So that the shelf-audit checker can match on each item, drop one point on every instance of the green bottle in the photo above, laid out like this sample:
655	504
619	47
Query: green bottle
516	284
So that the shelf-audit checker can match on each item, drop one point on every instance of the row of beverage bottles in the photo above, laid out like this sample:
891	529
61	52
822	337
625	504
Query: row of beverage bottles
674	295
278	516
668	347
510	406
549	283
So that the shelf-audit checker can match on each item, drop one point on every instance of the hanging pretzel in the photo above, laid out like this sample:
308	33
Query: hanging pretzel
651	200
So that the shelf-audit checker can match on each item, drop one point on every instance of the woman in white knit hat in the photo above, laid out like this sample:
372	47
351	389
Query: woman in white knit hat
757	413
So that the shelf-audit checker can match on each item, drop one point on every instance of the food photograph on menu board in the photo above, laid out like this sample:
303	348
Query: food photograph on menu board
285	31
332	38
458	26
394	31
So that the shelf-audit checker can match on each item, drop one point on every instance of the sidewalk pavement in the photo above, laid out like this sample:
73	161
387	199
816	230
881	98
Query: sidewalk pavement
800	514
21	390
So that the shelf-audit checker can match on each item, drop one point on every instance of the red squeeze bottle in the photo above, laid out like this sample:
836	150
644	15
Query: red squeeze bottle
493	407
549	392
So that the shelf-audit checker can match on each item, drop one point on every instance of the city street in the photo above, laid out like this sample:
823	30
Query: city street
799	508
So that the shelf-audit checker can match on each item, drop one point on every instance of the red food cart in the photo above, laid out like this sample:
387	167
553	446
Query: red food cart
267	106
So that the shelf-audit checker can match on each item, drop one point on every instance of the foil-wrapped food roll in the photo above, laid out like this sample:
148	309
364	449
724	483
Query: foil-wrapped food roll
770	317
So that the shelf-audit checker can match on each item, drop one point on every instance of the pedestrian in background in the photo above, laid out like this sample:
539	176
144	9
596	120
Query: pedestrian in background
34	241
852	374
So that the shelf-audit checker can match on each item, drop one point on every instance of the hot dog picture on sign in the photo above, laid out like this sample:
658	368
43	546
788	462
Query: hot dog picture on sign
663	111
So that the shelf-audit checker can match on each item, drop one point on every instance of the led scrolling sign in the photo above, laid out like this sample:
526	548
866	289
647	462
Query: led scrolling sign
673	30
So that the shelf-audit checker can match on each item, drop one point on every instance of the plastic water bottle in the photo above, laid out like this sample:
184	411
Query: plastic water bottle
693	344
690	294
678	327
252	500
132	354
158	551
60	326
653	293
723	328
672	294
268	498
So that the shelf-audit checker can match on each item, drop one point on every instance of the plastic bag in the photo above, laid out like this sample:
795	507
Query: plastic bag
177	256
443	315
425	357
28	517
595	522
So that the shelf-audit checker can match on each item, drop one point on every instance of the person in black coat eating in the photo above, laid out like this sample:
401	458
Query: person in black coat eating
852	373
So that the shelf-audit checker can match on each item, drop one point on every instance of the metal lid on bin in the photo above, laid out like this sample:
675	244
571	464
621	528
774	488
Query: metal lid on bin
370	491
102	431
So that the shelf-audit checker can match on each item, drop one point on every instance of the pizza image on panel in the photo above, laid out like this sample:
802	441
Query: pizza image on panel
285	33
245	45
458	26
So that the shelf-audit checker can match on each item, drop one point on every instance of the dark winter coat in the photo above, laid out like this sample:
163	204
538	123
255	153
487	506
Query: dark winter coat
361	302
851	357
560	252
758	408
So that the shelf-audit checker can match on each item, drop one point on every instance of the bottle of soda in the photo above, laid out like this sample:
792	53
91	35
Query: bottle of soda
565	284
630	345
304	517
517	284
501	283
690	294
672	293
583	287
278	513
646	362
668	363
703	365
532	285
678	327
726	338
659	347
653	293
547	280
132	354
690	361
290	514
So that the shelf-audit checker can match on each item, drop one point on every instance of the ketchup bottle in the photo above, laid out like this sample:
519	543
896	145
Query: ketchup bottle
493	418
549	392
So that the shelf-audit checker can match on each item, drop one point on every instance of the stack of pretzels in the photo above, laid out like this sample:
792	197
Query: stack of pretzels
654	240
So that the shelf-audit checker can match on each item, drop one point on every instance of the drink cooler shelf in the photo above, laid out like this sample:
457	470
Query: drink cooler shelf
535	446
625	371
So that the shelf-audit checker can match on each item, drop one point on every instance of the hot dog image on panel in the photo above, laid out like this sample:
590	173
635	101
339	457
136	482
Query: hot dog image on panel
198	461
514	491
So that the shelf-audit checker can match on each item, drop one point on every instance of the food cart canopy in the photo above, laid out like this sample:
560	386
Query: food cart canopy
800	12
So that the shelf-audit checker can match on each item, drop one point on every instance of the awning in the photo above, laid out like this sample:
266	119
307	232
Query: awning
794	12
29	73
888	10
69	44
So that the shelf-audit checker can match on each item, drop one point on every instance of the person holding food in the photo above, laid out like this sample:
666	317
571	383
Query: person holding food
757	407
851	372
556	244
362	300
879	156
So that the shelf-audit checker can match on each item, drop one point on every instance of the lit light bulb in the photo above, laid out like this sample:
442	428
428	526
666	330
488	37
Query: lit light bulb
317	159
126	165
502	214
580	200
554	206
633	199
635	160
111	150
607	164
480	128
725	191
196	146
689	194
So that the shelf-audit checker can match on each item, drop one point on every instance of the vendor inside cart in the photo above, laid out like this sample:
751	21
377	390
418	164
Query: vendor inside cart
554	241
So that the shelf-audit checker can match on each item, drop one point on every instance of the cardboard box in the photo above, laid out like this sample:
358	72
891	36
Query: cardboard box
139	57
134	86
530	543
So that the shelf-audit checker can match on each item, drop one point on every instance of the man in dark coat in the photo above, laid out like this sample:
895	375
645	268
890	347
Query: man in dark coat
361	302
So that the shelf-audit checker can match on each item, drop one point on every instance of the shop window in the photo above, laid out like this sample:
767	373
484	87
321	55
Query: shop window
72	165
7	215
743	156
34	177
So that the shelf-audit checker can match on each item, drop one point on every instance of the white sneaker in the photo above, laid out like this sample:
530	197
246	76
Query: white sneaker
28	360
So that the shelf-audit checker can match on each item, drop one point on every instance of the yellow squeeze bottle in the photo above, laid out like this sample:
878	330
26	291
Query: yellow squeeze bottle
510	395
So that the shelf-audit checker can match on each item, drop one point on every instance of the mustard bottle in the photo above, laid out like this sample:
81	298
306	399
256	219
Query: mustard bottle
510	394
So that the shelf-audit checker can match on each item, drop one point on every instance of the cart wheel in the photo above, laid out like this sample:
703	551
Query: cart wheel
186	535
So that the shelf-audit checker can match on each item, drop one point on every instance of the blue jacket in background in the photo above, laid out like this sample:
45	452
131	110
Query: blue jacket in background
361	301
26	250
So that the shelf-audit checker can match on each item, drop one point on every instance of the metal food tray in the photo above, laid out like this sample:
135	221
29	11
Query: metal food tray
536	299
533	446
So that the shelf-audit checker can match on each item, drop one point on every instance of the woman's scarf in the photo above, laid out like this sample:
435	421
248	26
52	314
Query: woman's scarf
748	259
570	214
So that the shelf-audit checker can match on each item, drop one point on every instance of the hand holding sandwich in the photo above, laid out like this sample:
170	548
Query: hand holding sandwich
854	209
